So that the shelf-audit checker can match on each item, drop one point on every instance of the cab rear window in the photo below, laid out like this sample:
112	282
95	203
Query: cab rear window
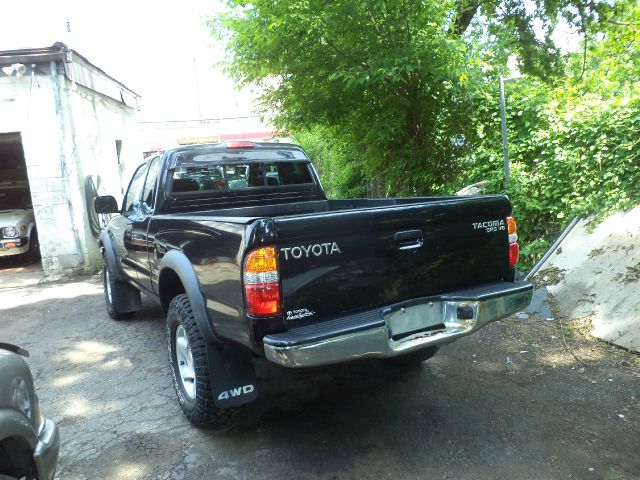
212	177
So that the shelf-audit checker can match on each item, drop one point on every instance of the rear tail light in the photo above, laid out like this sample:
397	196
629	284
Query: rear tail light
514	254
262	282
514	248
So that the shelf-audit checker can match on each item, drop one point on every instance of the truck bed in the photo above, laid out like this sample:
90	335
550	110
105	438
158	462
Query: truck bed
340	257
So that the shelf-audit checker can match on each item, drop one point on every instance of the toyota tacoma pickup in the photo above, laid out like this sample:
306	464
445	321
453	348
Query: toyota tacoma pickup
247	257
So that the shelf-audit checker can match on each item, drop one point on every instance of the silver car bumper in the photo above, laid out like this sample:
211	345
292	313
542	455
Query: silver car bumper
46	452
13	246
397	329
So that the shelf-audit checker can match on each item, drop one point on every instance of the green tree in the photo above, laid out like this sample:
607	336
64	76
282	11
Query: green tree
384	77
396	84
574	144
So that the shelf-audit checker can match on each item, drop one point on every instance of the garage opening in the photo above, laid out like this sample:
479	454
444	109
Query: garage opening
19	245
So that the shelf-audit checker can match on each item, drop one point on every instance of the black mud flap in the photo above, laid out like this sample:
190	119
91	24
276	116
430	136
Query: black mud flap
232	375
128	299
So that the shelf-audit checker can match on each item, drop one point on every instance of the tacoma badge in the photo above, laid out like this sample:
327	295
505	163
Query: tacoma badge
490	226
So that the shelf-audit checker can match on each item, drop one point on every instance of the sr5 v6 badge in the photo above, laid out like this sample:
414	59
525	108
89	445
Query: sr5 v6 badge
305	251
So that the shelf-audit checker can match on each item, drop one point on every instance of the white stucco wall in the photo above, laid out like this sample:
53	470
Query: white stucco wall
68	132
94	124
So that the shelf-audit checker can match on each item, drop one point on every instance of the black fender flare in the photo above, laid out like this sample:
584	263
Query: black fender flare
109	251
231	369
181	265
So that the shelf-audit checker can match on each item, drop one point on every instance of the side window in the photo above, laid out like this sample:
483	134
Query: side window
149	191
132	198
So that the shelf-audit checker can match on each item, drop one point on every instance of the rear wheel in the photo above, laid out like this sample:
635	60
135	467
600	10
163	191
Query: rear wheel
190	368
413	358
113	292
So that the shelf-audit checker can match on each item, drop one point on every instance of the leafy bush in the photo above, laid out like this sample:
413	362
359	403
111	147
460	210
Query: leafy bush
573	154
337	164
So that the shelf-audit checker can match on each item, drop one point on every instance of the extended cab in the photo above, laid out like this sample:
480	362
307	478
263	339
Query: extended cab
247	257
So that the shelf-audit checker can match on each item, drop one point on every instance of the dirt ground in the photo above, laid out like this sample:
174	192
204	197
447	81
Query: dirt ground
511	402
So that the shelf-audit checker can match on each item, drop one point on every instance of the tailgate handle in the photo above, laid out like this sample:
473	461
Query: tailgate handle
409	239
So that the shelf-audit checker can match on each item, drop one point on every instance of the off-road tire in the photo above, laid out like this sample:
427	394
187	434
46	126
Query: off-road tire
201	411
413	358
113	290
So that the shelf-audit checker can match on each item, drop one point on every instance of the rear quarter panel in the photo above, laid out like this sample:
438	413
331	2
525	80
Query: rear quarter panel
215	250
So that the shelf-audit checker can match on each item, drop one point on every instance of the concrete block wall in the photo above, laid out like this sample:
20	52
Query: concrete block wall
68	132
28	108
96	123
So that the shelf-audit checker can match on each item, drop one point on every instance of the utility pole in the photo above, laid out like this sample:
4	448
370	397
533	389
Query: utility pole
503	121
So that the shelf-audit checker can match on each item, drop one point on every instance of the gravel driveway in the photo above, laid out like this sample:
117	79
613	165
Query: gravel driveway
510	402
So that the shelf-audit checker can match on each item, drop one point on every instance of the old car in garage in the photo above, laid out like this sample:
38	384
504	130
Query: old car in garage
18	232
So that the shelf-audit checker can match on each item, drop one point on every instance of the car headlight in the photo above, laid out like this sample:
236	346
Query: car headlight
9	232
20	396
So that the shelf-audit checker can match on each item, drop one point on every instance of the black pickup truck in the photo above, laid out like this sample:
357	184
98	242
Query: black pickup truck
247	257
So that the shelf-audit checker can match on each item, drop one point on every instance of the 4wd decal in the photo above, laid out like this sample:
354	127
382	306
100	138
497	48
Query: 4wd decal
305	251
236	392
490	226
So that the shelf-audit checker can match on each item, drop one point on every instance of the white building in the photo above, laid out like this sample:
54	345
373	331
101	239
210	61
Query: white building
64	123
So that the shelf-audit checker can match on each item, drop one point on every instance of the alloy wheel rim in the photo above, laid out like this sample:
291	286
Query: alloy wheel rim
184	357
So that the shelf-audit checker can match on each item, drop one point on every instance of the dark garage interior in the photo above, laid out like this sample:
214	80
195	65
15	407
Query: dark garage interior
19	245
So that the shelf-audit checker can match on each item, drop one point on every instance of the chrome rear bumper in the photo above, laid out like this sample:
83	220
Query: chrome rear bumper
397	329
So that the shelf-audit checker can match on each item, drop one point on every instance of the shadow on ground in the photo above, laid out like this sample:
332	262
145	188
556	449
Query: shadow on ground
509	402
16	272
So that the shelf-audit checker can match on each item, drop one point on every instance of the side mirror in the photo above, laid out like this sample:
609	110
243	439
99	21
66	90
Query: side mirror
105	204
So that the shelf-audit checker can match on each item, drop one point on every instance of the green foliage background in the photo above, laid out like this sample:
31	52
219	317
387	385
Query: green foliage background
572	153
401	98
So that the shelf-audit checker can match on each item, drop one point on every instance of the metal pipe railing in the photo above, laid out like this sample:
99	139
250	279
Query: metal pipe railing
553	248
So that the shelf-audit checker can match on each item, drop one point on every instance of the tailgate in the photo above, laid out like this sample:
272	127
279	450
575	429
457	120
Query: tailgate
335	263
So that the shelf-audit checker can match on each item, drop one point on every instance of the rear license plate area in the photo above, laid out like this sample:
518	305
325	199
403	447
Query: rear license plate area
414	319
